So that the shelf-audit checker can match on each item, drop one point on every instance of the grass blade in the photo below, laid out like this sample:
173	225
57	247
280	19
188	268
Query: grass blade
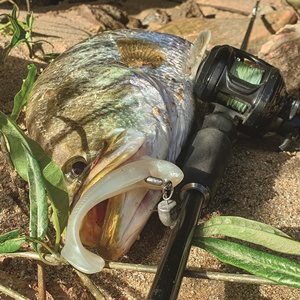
21	98
250	231
275	268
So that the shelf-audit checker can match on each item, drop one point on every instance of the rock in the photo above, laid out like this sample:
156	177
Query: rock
134	23
278	19
224	31
294	3
189	9
107	16
231	31
157	16
283	52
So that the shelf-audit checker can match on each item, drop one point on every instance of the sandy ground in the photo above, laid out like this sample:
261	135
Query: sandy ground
260	184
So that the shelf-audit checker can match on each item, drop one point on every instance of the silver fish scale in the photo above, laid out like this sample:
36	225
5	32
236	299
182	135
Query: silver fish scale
80	64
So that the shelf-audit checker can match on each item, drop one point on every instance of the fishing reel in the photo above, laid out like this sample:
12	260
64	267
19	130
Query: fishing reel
250	90
248	94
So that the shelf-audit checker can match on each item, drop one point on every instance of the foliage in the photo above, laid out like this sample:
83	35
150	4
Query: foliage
21	98
11	241
21	31
269	266
45	178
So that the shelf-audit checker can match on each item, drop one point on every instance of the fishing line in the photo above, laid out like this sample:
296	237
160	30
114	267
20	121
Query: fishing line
245	72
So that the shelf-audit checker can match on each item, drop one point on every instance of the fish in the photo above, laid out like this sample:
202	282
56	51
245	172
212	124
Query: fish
112	111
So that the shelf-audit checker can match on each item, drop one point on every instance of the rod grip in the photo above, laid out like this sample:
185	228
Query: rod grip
208	155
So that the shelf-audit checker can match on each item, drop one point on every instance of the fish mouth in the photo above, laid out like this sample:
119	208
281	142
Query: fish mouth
114	205
112	225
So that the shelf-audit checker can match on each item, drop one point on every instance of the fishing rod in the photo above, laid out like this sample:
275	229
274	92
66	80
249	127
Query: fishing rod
247	95
250	26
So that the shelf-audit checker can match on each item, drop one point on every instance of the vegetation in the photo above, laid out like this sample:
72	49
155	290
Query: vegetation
21	31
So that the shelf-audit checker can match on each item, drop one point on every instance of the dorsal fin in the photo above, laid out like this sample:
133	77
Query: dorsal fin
197	52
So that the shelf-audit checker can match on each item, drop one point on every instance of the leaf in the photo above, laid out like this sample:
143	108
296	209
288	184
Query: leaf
250	231
9	235
55	186
58	196
19	32
275	268
11	241
38	201
18	144
21	98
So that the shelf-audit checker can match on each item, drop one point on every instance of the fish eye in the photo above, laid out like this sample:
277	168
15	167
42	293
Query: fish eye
78	168
74	167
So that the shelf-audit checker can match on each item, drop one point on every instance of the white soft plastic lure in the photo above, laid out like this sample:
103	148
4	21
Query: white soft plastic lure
112	111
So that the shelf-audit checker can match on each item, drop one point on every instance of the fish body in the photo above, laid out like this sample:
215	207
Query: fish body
109	101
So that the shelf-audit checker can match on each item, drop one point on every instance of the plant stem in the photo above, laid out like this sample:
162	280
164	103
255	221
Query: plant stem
11	293
192	273
28	6
51	259
89	284
30	239
41	281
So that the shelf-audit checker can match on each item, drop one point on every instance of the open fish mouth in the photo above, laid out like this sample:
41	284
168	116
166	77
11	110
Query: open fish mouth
115	204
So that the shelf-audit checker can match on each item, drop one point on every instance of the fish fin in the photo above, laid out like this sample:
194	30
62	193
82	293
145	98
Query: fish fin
197	52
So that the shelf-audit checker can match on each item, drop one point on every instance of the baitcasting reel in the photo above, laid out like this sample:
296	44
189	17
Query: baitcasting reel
250	90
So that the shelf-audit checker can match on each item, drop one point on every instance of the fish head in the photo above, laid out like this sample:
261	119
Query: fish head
93	141
114	202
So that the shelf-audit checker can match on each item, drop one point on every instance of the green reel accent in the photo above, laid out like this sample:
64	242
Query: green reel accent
233	103
246	73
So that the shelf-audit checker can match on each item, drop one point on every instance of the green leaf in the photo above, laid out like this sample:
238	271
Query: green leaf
22	96
19	32
38	201
58	196
11	241
9	235
250	231
53	178
275	268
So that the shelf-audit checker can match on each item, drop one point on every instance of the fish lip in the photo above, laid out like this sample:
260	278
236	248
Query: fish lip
122	156
84	180
74	251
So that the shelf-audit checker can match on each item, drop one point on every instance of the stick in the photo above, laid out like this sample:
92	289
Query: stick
41	281
11	293
89	284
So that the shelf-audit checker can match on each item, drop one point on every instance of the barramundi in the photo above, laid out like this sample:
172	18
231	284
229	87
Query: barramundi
112	111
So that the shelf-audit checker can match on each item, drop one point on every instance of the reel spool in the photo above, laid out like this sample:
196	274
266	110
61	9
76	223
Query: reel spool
251	90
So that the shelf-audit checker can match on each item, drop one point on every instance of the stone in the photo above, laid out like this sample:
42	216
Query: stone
279	18
189	9
134	23
157	16
224	31
231	31
283	51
